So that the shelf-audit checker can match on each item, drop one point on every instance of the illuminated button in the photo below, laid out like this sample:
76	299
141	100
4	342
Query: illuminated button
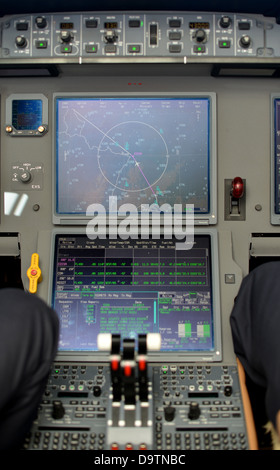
129	447
114	446
66	49
198	49
224	44
134	48
41	44
91	48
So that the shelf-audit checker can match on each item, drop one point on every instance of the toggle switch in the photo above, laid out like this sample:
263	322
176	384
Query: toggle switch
237	188
235	200
34	273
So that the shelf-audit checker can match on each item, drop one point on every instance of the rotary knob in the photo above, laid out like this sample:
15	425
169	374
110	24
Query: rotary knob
245	41
110	36
228	390
225	22
96	391
65	36
194	411
41	22
25	176
21	42
169	413
58	410
200	36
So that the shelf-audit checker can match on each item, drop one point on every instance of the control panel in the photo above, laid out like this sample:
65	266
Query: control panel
193	407
95	36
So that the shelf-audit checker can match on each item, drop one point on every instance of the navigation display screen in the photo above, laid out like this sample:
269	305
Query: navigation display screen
141	150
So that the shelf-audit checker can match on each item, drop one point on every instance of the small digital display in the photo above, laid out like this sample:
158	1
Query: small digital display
110	24
66	25
26	114
199	25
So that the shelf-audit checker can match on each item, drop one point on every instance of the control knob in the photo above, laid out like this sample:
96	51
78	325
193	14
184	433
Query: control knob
169	413
65	36
200	36
228	390
245	41
58	410
41	22
225	22
111	36
21	42
194	411
25	176
96	391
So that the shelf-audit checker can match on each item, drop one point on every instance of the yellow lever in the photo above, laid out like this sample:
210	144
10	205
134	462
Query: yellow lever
34	273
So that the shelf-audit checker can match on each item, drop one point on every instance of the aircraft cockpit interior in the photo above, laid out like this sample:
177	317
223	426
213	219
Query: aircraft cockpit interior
140	184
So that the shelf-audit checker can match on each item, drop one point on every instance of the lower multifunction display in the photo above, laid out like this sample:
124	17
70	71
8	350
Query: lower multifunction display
133	287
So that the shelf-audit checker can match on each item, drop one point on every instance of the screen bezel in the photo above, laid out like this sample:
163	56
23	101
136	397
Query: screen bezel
214	355
274	216
199	219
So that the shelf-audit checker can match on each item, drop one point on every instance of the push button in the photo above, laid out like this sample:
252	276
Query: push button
175	23
175	36
134	23
111	48
198	49
224	44
22	26
173	48
91	48
41	44
134	48
91	23
66	49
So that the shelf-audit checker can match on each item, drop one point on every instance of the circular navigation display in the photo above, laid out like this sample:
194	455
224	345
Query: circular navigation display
133	156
